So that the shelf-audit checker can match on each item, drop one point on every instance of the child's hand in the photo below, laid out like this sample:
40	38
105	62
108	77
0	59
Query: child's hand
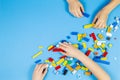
76	8
100	19
40	72
69	50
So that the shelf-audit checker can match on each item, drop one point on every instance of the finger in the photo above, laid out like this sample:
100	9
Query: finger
45	71
95	20
39	66
42	69
76	13
63	44
97	24
80	13
64	53
36	67
82	9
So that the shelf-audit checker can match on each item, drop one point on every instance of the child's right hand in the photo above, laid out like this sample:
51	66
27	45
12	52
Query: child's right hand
76	8
69	50
40	71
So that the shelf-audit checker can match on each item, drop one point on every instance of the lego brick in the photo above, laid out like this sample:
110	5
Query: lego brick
37	54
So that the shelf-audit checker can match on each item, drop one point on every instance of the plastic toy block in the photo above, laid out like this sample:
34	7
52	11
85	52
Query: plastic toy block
95	53
50	59
38	61
109	29
60	61
85	14
51	47
68	37
84	68
88	26
114	24
78	67
88	52
109	45
103	58
62	41
100	36
80	46
101	61
109	34
93	36
65	63
96	46
74	66
57	67
84	45
69	67
63	57
74	33
84	35
91	49
103	45
105	54
65	71
69	61
108	38
40	47
47	61
85	39
37	54
75	45
74	71
79	37
87	73
58	50
53	64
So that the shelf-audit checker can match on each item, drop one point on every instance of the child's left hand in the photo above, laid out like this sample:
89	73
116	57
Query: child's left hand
40	71
101	19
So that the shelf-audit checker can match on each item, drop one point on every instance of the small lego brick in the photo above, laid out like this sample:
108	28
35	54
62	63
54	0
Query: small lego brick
79	37
74	33
38	61
103	58
114	24
69	61
84	35
95	53
75	45
50	59
84	68
63	56
91	49
80	46
100	36
51	47
87	73
58	50
85	39
88	52
57	67
84	45
103	45
74	66
37	54
40	47
47	61
69	67
53	64
108	38
88	26
85	14
96	46
101	61
62	41
60	61
74	71
65	71
109	45
93	36
65	63
109	29
68	37
78	67
105	54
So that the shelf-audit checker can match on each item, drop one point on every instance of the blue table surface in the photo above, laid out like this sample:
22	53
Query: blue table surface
27	24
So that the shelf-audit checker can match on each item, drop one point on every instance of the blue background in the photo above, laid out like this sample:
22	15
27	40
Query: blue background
27	24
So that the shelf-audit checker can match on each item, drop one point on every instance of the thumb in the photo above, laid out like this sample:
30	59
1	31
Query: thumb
45	70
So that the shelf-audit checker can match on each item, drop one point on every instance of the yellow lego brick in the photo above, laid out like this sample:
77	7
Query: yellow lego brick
88	73
79	37
37	54
96	41
91	49
109	45
60	61
69	67
84	35
84	68
88	26
96	46
78	67
47	61
103	58
53	64
103	45
40	47
100	36
109	29
84	45
65	63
